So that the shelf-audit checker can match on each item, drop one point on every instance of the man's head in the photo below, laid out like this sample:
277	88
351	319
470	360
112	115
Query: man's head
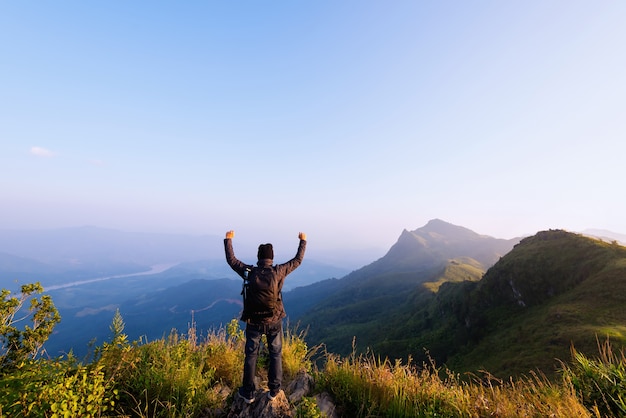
265	251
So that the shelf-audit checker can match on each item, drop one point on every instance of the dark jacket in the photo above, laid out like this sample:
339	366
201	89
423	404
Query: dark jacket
281	271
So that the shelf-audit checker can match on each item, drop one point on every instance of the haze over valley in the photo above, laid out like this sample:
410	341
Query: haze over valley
94	272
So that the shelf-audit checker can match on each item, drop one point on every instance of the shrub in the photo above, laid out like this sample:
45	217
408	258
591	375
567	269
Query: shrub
18	345
307	408
56	389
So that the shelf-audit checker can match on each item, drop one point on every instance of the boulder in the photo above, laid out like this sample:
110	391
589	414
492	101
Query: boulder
326	405
300	387
279	407
262	407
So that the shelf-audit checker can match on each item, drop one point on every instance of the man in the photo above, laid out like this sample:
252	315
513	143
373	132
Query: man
265	320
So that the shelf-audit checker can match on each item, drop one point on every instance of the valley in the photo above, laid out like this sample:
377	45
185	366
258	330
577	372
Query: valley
442	292
156	269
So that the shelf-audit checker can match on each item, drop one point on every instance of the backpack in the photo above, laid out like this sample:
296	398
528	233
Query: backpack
261	295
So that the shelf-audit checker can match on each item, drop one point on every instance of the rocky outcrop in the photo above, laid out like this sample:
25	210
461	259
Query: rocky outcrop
262	407
300	387
326	405
283	405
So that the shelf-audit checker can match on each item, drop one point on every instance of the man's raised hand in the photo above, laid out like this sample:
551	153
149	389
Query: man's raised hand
302	236
230	234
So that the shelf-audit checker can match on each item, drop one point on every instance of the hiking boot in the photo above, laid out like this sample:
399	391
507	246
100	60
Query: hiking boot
273	393
247	398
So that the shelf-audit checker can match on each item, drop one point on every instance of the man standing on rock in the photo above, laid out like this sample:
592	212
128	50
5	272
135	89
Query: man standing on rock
263	311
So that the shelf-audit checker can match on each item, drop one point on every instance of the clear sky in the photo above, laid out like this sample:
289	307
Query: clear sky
349	120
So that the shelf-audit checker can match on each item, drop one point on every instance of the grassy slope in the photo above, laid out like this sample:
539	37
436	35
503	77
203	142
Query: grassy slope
378	312
553	290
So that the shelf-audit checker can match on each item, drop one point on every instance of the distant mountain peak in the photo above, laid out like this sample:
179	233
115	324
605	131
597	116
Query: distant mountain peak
434	244
436	222
437	226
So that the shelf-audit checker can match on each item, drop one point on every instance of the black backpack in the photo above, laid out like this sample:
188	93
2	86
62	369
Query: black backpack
261	294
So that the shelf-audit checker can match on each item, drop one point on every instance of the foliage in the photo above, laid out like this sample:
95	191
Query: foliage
48	388
297	356
169	377
601	382
182	376
20	344
186	376
307	408
161	384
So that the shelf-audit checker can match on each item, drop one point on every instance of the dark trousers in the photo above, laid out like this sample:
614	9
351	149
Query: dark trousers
274	334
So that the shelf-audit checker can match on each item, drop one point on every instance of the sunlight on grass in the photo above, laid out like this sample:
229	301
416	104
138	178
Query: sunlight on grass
615	332
186	376
367	386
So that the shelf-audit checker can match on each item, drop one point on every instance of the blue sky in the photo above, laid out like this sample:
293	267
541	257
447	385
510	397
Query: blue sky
347	120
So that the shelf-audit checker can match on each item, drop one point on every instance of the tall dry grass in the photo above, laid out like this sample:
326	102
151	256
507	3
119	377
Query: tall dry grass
366	386
186	375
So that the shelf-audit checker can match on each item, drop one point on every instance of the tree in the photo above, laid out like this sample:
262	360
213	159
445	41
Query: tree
20	344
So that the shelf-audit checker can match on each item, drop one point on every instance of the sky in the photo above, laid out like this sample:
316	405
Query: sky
350	120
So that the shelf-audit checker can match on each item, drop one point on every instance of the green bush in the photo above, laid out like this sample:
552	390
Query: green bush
55	389
307	408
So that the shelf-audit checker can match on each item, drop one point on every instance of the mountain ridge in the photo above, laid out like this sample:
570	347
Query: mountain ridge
551	290
574	283
433	289
418	257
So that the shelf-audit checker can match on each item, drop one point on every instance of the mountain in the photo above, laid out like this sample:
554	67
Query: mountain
551	291
359	304
468	301
434	245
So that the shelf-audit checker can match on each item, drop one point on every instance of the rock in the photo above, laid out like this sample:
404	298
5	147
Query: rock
326	405
262	407
300	387
224	392
280	406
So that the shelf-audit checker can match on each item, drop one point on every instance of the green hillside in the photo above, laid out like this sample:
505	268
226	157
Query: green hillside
553	290
373	304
